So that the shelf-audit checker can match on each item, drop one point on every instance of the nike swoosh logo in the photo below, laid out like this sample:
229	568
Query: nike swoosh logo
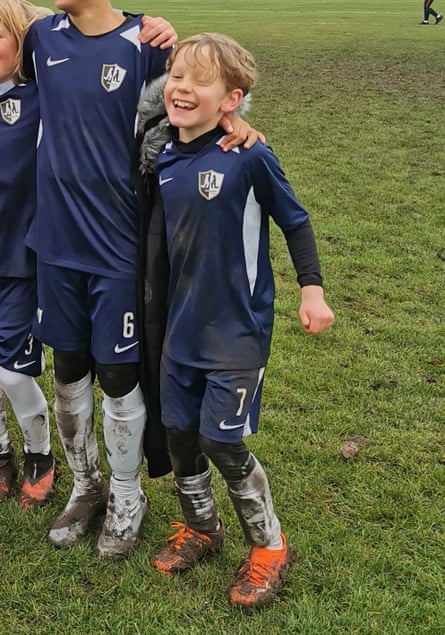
18	366
162	181
50	62
121	349
223	425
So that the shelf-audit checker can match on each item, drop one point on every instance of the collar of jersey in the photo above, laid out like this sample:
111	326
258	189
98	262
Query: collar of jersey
6	86
199	143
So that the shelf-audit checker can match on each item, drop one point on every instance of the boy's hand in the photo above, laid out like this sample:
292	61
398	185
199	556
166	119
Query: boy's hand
238	132
158	32
315	314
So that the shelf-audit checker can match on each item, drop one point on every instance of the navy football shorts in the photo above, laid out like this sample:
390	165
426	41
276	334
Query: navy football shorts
19	350
79	311
223	405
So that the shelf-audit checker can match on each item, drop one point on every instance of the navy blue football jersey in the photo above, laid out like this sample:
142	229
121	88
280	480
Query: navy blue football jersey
19	121
89	88
217	209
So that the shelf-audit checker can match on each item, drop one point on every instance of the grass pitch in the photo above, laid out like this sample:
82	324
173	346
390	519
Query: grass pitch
351	99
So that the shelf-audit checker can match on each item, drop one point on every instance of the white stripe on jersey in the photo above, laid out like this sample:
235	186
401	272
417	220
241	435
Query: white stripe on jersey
132	36
251	237
63	24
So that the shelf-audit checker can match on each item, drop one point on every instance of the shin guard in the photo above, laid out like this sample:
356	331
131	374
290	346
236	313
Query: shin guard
4	436
197	501
30	409
74	417
124	423
253	504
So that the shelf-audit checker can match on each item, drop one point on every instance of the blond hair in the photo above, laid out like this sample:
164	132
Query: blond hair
17	16
228	59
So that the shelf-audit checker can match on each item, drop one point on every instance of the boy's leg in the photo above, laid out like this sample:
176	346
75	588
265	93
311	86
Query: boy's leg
438	17
124	422
31	411
63	322
426	11
249	491
8	462
230	410
260	576
21	361
4	436
429	10
74	417
114	345
182	390
202	533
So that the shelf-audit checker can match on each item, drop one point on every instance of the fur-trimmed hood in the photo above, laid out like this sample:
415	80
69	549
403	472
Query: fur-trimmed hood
153	124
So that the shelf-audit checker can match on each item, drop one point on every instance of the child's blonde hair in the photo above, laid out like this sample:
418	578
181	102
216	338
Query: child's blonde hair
228	59
17	16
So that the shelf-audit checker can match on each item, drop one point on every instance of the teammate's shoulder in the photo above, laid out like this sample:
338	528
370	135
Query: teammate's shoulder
54	21
257	147
51	23
259	151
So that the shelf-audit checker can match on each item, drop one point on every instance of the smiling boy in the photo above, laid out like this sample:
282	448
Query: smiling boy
220	310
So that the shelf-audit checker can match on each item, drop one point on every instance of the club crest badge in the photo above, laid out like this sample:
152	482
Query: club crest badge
10	110
112	77
210	183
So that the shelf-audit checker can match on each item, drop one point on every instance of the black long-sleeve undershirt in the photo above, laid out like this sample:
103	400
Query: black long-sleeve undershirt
303	252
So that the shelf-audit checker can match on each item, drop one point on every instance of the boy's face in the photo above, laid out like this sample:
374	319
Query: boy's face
8	51
195	95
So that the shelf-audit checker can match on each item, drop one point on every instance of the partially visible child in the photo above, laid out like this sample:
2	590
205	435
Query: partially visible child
427	11
91	67
220	310
20	353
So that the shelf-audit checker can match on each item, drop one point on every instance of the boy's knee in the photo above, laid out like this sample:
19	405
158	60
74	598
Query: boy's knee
117	380
71	366
234	461
187	457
